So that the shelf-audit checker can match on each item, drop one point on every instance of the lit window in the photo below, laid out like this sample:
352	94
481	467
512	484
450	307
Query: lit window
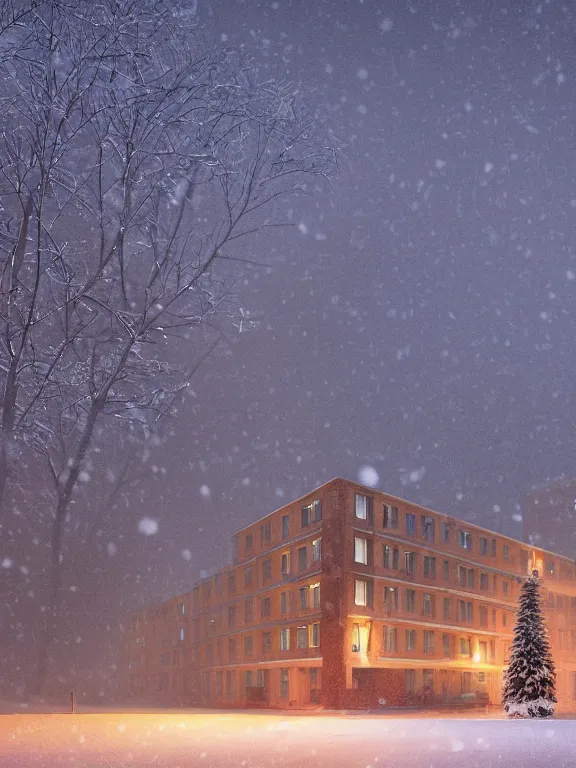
316	550
314	635
284	639
181	634
361	506
360	550
465	539
315	589
360	592
356	638
285	563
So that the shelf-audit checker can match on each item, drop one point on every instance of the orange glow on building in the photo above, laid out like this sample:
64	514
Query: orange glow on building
350	597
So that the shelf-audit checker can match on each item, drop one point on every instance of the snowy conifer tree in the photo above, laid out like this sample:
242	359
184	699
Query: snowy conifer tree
529	681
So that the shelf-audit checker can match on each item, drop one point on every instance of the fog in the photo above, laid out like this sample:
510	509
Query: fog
411	327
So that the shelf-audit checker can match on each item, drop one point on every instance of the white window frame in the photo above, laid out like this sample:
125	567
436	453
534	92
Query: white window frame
360	550
360	592
361	509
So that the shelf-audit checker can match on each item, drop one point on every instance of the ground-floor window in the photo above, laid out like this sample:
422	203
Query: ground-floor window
284	683
207	683
219	677
574	685
466	682
410	680
230	684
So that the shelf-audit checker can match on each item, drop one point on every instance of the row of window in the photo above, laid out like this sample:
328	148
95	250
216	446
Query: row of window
364	510
465	577
252	679
287	638
310	513
304	557
307	596
450	644
364	596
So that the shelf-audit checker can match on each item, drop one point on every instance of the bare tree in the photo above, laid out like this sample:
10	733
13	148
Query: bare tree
135	162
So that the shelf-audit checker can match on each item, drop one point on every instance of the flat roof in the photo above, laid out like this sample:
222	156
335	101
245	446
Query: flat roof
370	489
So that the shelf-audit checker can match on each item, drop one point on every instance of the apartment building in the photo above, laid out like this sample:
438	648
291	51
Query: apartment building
349	597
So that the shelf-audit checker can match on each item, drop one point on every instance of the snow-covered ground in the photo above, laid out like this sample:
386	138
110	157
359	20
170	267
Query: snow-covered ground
244	740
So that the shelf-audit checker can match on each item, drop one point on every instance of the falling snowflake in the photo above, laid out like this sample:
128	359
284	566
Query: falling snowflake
368	476
205	491
148	526
186	554
386	24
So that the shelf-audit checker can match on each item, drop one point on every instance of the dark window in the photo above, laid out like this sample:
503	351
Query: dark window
410	637
231	584
231	616
483	613
248	645
285	563
302	637
428	528
446	532
266	607
465	539
267	569
446	570
249	541
303	597
446	647
494	546
410	562
390	558
484	582
471	578
427	604
410	596
284	684
391	598
430	567
483	545
302	559
266	642
248	576
390	516
265	533
231	649
506	552
285	526
410	524
284	602
446	607
248	611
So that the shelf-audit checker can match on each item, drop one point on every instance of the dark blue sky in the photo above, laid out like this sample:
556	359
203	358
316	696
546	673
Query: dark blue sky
419	316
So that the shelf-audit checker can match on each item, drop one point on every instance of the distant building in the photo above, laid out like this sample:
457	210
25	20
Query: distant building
351	598
549	517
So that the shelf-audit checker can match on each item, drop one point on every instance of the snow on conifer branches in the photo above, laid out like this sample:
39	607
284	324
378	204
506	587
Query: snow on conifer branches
529	681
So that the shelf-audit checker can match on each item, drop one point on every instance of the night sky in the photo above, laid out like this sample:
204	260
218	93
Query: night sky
419	315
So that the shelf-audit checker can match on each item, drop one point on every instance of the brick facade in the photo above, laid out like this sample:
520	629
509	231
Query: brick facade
349	597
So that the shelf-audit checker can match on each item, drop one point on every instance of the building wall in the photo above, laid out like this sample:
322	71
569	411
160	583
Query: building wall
337	599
